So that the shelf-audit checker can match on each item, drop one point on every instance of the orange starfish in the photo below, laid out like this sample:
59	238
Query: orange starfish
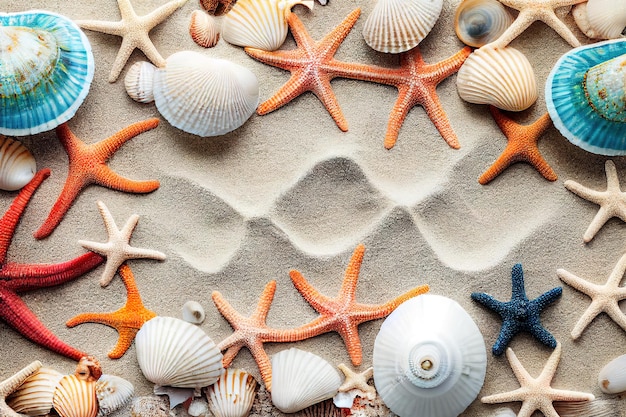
521	147
127	320
87	165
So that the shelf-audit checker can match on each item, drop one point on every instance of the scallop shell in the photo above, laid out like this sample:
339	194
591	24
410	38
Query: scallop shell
46	69
17	164
75	397
396	26
607	18
429	358
322	409
584	96
193	312
112	393
204	29
479	22
175	353
34	397
301	379
612	378
233	394
502	77
139	80
260	24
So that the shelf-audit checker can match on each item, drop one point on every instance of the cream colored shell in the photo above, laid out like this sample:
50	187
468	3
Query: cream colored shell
233	394
17	164
34	397
204	29
479	22
193	312
601	19
612	377
75	397
139	80
113	393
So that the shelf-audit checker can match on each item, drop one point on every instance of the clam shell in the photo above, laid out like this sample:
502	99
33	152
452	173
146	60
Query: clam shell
46	69
301	379
17	164
607	18
139	81
396	26
204	29
429	358
612	378
34	397
113	393
260	24
233	394
75	397
479	22
175	353
193	312
502	77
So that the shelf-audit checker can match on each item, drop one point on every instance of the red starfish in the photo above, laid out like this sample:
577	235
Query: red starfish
87	165
16	278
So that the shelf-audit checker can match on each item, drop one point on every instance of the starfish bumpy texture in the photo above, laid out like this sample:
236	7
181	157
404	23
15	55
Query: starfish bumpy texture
520	314
536	393
10	385
357	381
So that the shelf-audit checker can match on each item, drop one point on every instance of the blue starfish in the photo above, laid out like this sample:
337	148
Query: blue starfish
520	314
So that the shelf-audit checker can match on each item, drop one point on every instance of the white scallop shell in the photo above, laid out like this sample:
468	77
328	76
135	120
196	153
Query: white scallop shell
612	378
233	394
396	26
204	29
301	379
17	164
75	397
139	81
175	353
193	312
113	393
34	396
429	358
607	18
479	22
260	24
502	77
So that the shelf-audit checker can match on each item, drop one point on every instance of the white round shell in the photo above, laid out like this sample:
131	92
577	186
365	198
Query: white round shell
193	312
34	396
17	164
607	18
75	397
113	393
429	358
612	378
233	394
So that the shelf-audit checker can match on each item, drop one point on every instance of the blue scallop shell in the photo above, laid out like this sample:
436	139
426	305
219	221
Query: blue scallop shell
38	94
572	109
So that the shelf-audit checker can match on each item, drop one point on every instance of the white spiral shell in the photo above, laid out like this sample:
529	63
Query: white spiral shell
479	22
17	164
34	396
193	312
233	394
113	393
75	397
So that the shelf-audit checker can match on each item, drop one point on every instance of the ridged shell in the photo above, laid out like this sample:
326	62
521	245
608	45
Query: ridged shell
113	393
233	394
259	23
34	397
301	379
204	29
396	26
74	397
139	81
593	408
321	409
429	358
478	22
502	77
46	69
175	353
607	18
612	378
584	96
193	312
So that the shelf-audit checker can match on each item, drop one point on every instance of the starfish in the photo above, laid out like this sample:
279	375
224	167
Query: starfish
604	298
10	385
16	278
117	249
522	146
87	165
536	393
520	314
127	320
357	381
612	202
531	11
134	32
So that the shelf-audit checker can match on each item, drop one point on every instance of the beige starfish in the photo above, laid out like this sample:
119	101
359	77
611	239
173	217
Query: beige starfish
357	381
612	202
536	393
134	32
604	298
117	249
9	385
531	11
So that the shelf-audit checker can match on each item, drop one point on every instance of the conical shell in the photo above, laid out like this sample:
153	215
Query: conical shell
74	397
175	353
301	379
478	22
193	312
612	378
260	24
113	393
396	26
429	358
34	397
502	77
204	29
233	394
139	81
607	18
17	164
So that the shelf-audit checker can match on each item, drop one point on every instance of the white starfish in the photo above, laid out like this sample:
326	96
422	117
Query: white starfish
357	381
536	393
117	249
604	298
10	385
134	32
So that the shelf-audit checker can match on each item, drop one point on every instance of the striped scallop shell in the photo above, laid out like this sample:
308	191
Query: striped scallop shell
396	26
34	397
479	22
301	379
17	164
233	394
204	29
113	393
75	397
175	353
260	24
502	77
607	18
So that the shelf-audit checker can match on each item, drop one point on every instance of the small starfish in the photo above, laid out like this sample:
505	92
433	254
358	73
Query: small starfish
10	385
134	32
520	314
127	320
521	147
87	165
604	298
536	393
357	381
612	202
531	11
117	249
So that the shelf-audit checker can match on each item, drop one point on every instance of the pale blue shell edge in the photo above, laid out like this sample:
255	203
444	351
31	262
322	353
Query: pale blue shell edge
568	107
40	111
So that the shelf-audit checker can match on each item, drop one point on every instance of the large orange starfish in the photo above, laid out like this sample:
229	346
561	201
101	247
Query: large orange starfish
87	165
127	320
521	146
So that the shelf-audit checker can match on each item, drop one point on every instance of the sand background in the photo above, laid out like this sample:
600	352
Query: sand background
289	190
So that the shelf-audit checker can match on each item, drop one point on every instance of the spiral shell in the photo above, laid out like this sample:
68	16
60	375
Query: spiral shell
233	394
601	19
204	29
193	312
34	397
479	22
112	393
75	397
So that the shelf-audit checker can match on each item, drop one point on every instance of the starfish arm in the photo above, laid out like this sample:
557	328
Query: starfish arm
617	315
324	93
125	339
518	291
521	374
577	283
150	51
504	397
617	274
292	89
448	66
226	310
489	302
110	179
602	216
98	247
112	144
559	27
567	395
317	300
110	28
129	227
107	217
612	180
504	161
351	278
263	362
163	12
547	297
508	330
144	253
591	313
550	367
265	301
230	354
541	165
524	19
391	305
438	116
350	335
124	52
398	113
544	336
332	39
594	196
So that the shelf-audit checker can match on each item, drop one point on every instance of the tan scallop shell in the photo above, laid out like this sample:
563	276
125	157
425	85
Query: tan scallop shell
396	26
601	19
74	397
17	164
204	29
34	397
233	394
113	393
502	77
